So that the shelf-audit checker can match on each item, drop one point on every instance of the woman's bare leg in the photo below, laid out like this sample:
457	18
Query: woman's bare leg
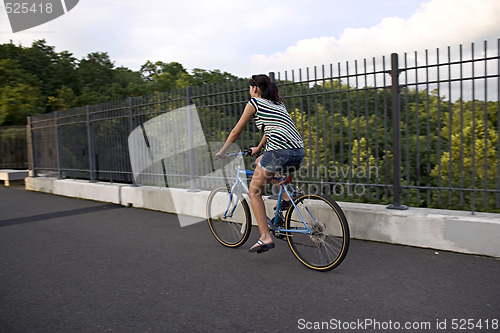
259	180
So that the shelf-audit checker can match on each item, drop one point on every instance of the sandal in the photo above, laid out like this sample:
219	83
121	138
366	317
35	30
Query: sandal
263	247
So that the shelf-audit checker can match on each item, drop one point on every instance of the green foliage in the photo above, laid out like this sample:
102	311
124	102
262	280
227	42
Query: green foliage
95	71
17	102
37	79
347	132
445	144
202	76
19	94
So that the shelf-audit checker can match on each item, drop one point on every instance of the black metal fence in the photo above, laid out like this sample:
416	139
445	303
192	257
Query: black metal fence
13	153
410	130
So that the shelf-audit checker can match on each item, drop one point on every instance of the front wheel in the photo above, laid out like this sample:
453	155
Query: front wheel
228	217
326	243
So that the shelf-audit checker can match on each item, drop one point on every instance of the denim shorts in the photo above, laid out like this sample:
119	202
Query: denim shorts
275	160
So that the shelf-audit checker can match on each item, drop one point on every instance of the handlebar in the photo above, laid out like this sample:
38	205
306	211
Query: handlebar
247	152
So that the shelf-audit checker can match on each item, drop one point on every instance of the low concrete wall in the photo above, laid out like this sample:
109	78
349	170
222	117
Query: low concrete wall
429	228
76	188
9	175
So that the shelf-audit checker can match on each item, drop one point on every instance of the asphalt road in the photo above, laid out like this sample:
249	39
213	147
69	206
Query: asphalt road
70	265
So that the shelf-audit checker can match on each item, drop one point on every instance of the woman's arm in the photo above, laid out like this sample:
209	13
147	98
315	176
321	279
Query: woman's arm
247	115
261	145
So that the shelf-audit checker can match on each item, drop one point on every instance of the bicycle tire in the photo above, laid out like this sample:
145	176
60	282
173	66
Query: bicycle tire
327	246
232	231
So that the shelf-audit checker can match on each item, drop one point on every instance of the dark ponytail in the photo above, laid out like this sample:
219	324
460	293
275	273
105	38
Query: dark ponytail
268	89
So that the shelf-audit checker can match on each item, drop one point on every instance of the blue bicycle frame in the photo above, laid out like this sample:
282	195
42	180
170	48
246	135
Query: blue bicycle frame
284	186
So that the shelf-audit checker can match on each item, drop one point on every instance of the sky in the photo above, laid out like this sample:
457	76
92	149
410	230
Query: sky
249	37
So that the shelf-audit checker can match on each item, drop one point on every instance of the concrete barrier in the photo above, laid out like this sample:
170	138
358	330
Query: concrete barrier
9	175
447	230
76	188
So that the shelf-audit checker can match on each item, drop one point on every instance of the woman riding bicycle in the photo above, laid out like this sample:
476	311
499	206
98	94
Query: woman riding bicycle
282	143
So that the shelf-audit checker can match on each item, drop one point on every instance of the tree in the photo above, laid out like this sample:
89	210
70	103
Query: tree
19	94
18	102
57	81
96	71
89	97
64	71
65	99
40	60
202	76
472	158
165	76
149	70
12	74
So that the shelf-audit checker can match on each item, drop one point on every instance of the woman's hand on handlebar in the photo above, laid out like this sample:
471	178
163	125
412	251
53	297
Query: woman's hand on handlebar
254	150
220	156
249	152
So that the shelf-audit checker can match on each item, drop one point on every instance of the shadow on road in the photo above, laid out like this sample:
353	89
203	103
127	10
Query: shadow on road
42	217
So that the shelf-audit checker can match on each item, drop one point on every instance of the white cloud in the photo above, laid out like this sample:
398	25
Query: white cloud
438	23
244	38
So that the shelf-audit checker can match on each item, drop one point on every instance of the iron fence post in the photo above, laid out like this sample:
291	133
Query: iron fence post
31	148
90	142
193	186
58	147
132	124
272	77
396	134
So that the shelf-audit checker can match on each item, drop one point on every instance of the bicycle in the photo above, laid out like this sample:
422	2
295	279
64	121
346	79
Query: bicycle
314	226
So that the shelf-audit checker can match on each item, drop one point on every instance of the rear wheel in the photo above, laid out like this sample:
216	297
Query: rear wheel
229	217
326	245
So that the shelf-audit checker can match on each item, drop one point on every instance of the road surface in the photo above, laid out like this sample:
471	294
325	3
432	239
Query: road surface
71	265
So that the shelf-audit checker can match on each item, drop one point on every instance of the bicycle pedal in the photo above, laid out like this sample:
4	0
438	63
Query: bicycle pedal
279	235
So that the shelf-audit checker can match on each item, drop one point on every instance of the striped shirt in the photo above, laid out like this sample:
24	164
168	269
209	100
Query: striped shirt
279	128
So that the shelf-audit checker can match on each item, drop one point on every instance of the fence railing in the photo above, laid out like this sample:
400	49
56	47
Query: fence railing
13	153
411	130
